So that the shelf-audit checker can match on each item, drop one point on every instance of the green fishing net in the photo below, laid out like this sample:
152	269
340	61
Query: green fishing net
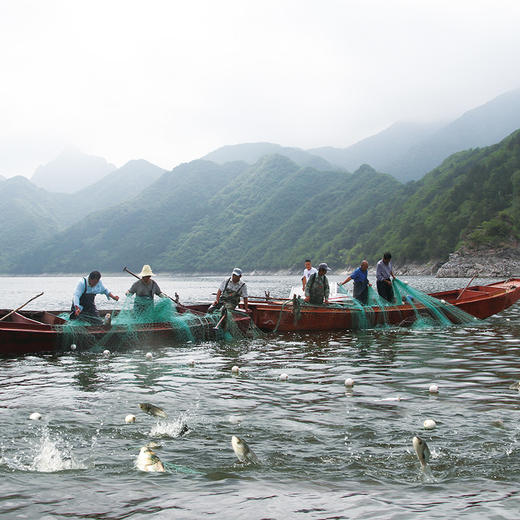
427	310
150	322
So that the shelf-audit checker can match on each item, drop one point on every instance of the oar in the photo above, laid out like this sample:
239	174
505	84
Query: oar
21	307
217	326
464	290
138	277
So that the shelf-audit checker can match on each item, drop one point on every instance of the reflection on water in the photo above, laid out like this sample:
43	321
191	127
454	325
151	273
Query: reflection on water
325	450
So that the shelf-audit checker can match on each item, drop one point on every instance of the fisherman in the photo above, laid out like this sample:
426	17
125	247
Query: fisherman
230	292
307	272
383	274
317	289
83	304
361	283
144	290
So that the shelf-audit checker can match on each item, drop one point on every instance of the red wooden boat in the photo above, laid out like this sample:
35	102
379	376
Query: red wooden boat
26	332
480	301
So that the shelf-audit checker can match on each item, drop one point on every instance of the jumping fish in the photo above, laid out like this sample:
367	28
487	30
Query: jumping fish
147	460
422	451
515	386
243	452
150	409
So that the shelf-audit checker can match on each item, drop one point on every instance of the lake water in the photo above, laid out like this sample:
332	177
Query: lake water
325	452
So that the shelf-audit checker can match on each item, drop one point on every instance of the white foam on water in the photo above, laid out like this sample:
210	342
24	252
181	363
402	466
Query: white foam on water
170	428
50	458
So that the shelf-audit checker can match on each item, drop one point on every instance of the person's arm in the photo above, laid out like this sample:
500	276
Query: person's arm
113	296
246	305
327	290
156	290
77	295
304	282
345	281
132	289
217	298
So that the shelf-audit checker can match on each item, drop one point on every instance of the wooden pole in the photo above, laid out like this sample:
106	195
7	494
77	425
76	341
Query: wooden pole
464	290
21	307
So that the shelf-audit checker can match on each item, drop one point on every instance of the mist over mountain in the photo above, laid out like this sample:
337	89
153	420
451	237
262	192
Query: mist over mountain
252	152
118	186
408	150
379	150
71	171
31	215
481	126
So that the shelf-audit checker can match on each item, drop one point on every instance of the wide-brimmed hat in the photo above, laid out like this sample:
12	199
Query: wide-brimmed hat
237	271
146	271
324	266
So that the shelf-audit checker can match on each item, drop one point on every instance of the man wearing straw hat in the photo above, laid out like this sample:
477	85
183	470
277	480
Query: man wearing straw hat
145	289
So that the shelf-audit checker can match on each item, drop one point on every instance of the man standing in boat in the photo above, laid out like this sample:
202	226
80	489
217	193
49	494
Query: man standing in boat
361	283
145	289
317	289
383	274
230	292
83	305
307	272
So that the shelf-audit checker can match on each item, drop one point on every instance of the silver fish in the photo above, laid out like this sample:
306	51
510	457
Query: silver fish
422	451
147	460
150	409
515	386
242	450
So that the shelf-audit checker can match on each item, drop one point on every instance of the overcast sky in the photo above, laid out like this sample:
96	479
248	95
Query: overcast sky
169	81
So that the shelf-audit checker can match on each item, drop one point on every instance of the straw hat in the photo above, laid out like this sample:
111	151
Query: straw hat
146	271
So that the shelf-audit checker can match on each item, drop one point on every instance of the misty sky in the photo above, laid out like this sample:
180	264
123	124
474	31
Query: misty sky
169	81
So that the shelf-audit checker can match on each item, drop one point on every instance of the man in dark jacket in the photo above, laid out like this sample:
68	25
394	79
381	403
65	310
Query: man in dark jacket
317	289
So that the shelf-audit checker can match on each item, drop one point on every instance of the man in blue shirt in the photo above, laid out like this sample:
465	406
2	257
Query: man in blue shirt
83	305
361	283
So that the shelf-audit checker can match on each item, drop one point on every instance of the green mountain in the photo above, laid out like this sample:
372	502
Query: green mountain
206	217
252	152
472	199
32	215
29	215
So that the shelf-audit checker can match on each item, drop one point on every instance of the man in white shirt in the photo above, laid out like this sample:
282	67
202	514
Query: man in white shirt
307	273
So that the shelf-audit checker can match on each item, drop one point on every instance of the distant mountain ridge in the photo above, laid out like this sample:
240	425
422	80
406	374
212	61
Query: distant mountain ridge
71	171
408	151
31	215
379	150
252	152
205	217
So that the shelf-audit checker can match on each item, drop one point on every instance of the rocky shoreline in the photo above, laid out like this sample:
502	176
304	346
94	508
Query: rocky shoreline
492	263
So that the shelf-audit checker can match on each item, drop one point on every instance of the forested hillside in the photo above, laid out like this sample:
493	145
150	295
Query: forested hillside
205	217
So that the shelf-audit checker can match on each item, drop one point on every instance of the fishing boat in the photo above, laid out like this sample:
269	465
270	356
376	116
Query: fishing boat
24	332
292	315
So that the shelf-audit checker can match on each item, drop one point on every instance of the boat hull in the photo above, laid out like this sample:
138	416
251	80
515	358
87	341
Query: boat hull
42	332
478	301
